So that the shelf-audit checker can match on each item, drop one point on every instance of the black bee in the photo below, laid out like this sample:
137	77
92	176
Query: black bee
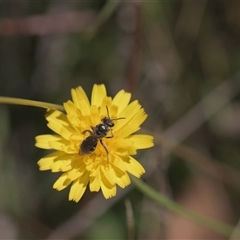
97	133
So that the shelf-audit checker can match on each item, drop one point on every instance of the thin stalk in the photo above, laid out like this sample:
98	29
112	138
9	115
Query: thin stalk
26	102
169	204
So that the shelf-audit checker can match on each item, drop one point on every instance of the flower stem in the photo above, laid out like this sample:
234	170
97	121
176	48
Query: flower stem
215	225
26	102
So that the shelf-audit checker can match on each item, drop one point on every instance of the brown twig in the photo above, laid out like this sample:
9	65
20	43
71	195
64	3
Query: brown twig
65	22
133	65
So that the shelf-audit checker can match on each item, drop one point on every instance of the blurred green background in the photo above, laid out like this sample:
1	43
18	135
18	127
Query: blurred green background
180	59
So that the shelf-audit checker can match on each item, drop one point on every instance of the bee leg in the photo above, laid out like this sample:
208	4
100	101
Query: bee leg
85	131
105	147
111	135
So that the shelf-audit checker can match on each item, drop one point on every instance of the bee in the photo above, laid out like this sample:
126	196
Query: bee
97	133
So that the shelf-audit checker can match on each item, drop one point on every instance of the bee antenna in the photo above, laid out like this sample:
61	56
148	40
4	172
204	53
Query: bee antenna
118	118
107	112
114	118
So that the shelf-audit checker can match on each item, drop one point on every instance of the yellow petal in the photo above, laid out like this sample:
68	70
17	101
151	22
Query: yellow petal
74	115
79	96
113	112
121	100
142	141
108	174
78	187
98	94
73	174
92	164
133	166
106	107
66	166
119	163
134	116
45	162
58	127
122	178
53	115
62	182
61	165
107	191
125	146
42	141
123	181
105	180
64	146
95	183
70	108
131	127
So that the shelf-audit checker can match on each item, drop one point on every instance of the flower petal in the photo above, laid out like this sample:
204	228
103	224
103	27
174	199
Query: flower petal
142	141
98	94
134	116
106	107
61	166
125	146
62	182
78	187
122	178
63	145
74	115
121	100
107	191
79	97
108	174
53	115
77	172
45	162
133	166
42	141
58	127
95	183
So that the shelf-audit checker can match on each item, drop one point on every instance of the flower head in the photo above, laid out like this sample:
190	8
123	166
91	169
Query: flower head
90	152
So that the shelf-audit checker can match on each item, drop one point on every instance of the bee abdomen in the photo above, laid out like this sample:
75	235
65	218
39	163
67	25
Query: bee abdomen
88	145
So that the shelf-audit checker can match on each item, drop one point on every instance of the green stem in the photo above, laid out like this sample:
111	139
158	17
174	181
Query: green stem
215	225
26	102
105	13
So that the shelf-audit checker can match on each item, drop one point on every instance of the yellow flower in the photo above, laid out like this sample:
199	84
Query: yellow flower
109	164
